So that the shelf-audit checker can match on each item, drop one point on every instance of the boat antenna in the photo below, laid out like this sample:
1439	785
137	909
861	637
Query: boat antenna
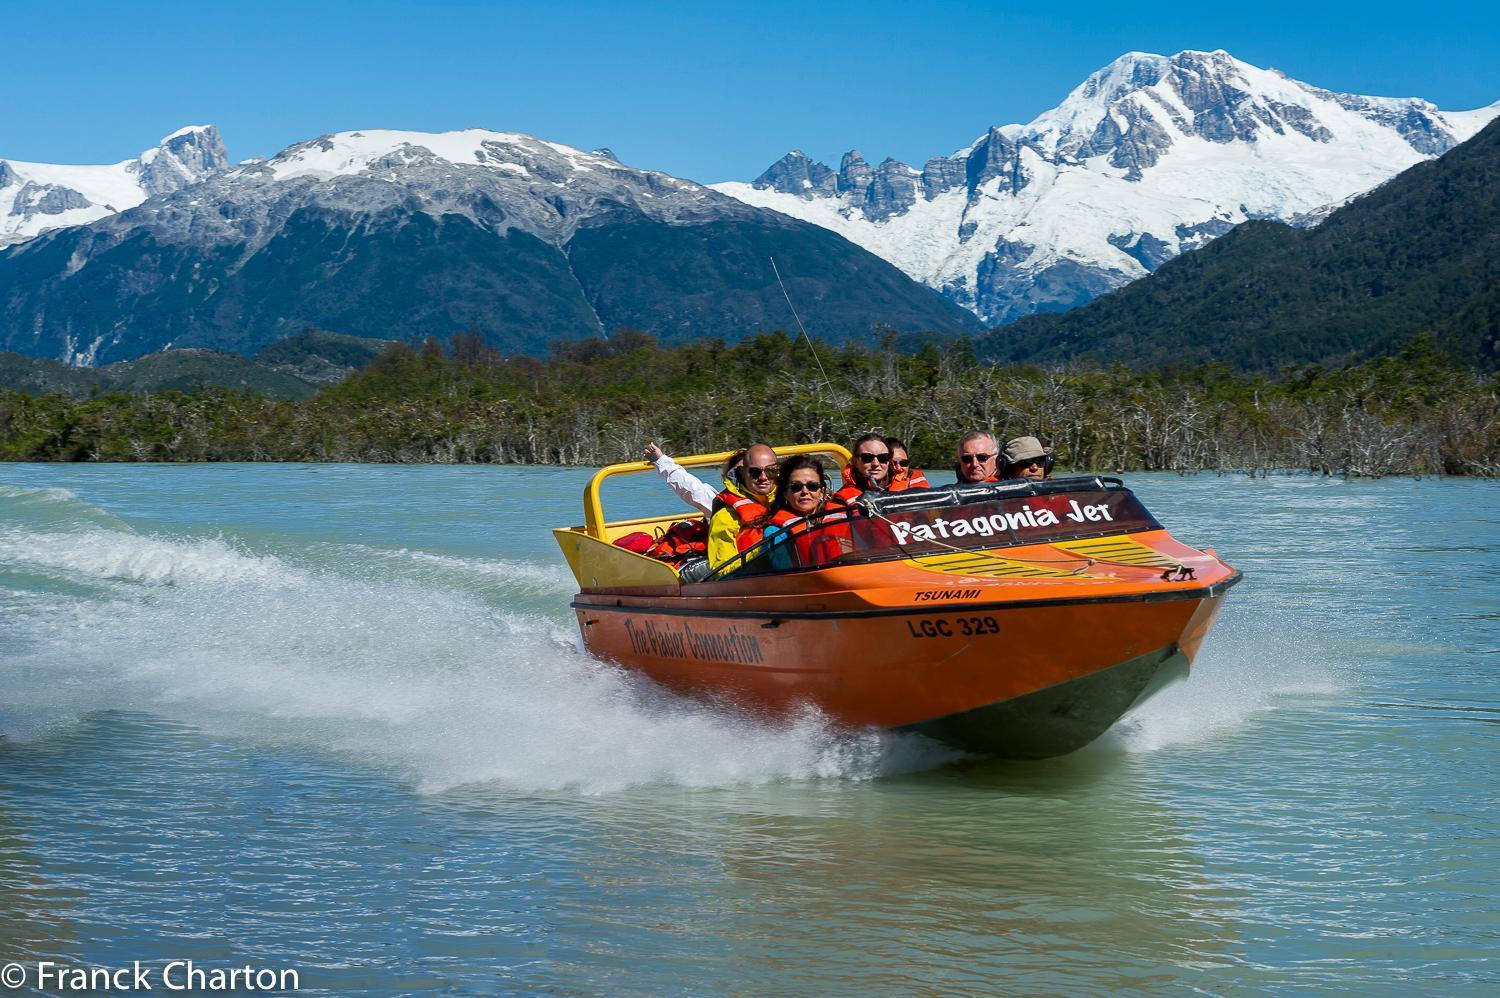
826	382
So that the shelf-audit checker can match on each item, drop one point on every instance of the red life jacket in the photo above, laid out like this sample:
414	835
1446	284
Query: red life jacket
638	541
819	543
749	512
683	539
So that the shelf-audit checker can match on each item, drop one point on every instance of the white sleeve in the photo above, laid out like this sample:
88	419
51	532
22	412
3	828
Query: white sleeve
689	487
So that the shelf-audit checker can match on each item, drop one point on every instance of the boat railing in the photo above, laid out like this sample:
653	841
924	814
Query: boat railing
596	526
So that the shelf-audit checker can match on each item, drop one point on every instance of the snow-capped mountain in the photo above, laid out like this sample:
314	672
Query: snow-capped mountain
1151	156
395	234
497	180
35	197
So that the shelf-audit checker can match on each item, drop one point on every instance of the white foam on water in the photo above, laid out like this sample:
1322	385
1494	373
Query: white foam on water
1247	668
436	684
531	575
114	554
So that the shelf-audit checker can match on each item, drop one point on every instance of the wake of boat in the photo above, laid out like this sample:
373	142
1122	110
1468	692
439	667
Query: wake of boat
441	683
452	670
1241	673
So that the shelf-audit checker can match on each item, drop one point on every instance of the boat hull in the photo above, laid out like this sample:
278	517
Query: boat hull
1062	718
1021	679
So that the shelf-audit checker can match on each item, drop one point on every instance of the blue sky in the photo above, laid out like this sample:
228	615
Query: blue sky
710	92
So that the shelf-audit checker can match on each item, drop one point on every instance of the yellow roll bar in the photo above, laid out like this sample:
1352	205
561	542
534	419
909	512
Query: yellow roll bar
593	506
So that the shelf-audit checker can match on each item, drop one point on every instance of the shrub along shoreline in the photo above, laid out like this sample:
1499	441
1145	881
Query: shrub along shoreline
1418	412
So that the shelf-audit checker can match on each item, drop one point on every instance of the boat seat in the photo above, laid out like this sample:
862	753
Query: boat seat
694	570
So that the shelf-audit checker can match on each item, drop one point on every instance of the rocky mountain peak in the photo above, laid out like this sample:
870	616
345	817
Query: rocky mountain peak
854	173
36	197
797	174
182	158
1148	157
389	233
499	182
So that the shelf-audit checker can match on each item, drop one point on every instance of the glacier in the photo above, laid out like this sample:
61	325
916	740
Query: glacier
1149	157
38	197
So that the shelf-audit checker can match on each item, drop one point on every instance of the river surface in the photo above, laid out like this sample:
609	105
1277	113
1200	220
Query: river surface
336	718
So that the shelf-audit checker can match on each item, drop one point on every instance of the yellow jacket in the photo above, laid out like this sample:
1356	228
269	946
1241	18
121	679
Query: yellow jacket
724	527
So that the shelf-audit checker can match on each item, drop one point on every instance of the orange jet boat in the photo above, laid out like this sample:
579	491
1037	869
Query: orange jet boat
1016	619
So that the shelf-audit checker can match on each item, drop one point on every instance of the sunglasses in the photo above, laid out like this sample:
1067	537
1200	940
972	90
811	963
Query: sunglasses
766	472
1030	462
901	464
875	458
804	487
977	458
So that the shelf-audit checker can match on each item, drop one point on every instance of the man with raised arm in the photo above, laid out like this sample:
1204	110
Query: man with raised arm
740	511
689	487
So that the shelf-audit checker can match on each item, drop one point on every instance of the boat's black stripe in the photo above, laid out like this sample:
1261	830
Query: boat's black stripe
1159	596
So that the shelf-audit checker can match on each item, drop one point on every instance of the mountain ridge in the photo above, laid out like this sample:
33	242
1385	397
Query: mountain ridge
40	197
1419	254
293	368
386	233
1149	157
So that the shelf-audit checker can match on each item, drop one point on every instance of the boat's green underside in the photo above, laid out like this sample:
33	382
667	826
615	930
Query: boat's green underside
1062	718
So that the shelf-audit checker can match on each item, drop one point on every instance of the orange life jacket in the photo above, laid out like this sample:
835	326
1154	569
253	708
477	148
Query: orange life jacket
750	514
853	490
914	479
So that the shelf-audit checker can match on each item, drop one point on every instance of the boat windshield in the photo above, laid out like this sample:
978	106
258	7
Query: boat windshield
914	524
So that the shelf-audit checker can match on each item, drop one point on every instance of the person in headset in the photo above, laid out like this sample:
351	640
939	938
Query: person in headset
1025	457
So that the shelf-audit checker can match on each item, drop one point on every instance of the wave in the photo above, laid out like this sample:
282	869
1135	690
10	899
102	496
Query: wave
1246	669
113	554
535	576
52	508
434	683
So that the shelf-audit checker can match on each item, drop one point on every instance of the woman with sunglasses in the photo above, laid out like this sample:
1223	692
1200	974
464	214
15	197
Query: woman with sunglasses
802	515
903	475
870	471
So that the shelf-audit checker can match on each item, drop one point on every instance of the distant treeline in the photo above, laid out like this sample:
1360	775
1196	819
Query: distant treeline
1417	412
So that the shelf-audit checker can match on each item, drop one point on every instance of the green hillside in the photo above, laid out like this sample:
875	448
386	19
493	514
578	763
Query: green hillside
290	369
1419	254
320	357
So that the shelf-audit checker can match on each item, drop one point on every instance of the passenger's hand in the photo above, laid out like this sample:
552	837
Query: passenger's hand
653	452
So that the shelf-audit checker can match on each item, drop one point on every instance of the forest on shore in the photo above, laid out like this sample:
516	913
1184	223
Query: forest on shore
1418	411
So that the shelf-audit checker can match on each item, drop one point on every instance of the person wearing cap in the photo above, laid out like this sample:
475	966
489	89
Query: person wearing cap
1025	457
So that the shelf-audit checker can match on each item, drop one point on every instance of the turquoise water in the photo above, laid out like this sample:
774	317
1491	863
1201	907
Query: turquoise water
336	718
